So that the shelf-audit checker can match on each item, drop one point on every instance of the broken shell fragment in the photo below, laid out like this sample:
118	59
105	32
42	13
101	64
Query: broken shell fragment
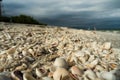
90	74
40	72
28	76
11	50
21	67
76	71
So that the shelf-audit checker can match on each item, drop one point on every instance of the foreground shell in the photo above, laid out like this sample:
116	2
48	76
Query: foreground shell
27	76
60	62
61	74
40	72
90	74
108	76
76	71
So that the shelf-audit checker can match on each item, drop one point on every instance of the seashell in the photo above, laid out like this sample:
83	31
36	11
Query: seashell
107	45
31	52
108	76
10	58
92	64
82	60
90	74
34	64
28	76
17	75
85	78
60	62
21	67
52	69
61	74
40	72
113	65
91	58
46	78
99	68
76	71
29	59
79	54
50	74
98	74
11	50
24	53
7	35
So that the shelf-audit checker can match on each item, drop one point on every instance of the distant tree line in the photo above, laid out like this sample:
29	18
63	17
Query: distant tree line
20	19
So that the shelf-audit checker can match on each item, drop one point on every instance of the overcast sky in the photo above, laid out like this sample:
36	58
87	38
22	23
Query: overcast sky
67	12
50	8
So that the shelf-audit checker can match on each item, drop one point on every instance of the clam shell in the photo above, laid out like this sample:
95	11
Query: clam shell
90	74
40	72
28	76
76	71
61	74
60	62
47	78
108	76
107	45
21	67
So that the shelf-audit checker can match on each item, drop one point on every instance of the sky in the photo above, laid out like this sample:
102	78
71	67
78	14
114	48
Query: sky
65	10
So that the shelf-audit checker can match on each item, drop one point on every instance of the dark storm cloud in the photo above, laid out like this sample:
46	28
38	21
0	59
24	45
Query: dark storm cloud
58	8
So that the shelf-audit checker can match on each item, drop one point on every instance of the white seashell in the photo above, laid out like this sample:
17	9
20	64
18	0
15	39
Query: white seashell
21	67
91	58
76	71
46	78
10	58
7	35
60	62
52	69
82	59
99	68
94	63
24	52
31	52
85	78
107	45
79	54
108	76
90	74
61	74
27	76
2	52
40	72
98	74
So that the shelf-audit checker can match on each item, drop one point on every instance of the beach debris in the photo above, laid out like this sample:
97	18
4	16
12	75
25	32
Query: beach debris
50	53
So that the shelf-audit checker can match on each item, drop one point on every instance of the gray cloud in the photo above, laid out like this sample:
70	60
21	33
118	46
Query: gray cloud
58	8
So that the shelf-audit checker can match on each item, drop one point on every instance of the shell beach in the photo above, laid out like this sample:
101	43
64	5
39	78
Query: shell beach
36	52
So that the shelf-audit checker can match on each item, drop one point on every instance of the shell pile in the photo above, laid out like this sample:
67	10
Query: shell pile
34	52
